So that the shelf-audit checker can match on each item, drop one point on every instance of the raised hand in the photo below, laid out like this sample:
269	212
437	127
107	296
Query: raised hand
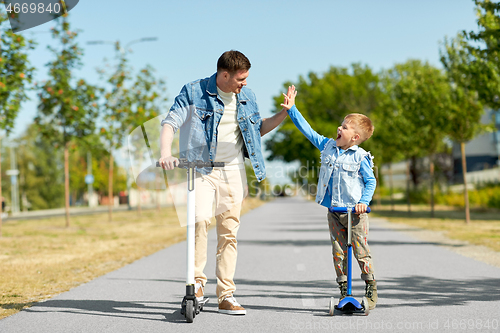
289	98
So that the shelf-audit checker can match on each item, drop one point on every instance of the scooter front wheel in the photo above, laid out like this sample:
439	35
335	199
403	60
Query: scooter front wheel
189	311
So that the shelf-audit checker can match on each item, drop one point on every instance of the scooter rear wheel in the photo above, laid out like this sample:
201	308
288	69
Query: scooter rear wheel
331	309
364	304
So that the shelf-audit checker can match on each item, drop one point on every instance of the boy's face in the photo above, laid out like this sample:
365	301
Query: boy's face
346	135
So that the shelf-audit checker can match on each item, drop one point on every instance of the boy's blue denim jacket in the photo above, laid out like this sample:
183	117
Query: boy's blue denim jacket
346	177
197	111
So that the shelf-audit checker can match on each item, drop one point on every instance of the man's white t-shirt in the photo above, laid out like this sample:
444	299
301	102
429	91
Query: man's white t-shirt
229	139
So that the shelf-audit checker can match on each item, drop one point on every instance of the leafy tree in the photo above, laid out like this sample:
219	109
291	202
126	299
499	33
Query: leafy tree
464	118
482	51
388	129
148	100
67	109
15	74
117	105
420	94
40	164
129	108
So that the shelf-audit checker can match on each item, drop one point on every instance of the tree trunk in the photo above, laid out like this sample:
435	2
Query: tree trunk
158	207
1	197
466	192
110	188
139	208
66	181
391	186
431	171
158	180
408	201
379	200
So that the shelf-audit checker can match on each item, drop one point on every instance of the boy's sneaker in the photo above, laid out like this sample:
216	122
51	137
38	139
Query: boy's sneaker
371	293
198	291
230	306
343	290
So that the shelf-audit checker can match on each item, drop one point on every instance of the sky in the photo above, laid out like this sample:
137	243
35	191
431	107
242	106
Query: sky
282	39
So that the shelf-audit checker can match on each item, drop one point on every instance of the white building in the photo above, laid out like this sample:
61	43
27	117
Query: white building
483	152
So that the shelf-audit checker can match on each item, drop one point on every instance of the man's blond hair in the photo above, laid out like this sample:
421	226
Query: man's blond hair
362	125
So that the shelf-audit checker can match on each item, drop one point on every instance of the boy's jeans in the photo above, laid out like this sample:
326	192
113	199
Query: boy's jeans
227	189
337	224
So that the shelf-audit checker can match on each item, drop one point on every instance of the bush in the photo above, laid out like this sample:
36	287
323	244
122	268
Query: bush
494	199
420	196
488	197
485	197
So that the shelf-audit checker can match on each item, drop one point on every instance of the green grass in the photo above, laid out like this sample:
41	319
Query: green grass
484	228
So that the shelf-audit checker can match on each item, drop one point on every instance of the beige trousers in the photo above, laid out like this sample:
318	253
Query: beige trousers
219	194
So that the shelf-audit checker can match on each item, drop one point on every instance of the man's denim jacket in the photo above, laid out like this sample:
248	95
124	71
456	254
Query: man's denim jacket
197	112
346	177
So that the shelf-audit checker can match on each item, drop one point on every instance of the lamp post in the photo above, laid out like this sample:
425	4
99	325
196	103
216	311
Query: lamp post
123	51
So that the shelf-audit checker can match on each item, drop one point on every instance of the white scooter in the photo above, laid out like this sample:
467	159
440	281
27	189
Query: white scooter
190	306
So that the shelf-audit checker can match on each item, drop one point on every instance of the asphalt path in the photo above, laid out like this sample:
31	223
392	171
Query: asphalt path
284	279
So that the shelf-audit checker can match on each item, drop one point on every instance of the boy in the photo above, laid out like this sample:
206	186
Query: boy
346	180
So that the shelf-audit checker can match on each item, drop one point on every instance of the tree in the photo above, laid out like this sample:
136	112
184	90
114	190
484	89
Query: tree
464	118
117	104
15	74
385	117
483	69
482	52
40	164
420	94
128	108
67	109
323	101
148	100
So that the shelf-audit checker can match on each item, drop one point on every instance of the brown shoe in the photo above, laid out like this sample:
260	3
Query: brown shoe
230	306
198	291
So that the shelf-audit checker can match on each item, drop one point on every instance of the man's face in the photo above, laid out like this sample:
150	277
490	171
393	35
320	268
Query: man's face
236	81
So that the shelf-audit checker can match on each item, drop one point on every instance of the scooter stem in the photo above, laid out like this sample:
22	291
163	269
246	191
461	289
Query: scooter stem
349	253
190	228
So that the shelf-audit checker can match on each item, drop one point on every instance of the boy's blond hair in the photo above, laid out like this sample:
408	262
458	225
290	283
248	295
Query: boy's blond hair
362	124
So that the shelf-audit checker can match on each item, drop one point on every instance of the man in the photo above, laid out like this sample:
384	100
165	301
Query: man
219	121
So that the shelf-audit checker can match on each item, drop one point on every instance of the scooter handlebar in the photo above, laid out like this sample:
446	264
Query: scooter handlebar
183	163
344	209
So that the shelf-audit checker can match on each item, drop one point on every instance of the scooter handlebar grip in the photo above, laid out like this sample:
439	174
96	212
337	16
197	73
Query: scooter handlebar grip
344	209
198	164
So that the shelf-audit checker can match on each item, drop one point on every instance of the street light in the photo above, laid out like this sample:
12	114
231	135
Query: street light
123	51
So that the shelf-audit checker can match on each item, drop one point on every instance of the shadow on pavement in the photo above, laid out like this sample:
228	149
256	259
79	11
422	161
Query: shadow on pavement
154	311
418	291
315	242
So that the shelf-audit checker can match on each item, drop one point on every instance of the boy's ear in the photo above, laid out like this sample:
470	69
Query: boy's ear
356	137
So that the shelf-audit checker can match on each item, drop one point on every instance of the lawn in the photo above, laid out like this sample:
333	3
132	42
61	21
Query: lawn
484	228
41	258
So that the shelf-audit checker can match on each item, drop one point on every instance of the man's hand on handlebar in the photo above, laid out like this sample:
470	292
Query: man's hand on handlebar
169	162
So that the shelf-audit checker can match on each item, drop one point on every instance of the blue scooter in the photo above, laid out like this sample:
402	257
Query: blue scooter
349	305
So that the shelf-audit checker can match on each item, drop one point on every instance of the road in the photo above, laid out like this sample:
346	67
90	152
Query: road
284	279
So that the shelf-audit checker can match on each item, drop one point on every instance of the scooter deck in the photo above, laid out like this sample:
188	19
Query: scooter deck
349	306
201	303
